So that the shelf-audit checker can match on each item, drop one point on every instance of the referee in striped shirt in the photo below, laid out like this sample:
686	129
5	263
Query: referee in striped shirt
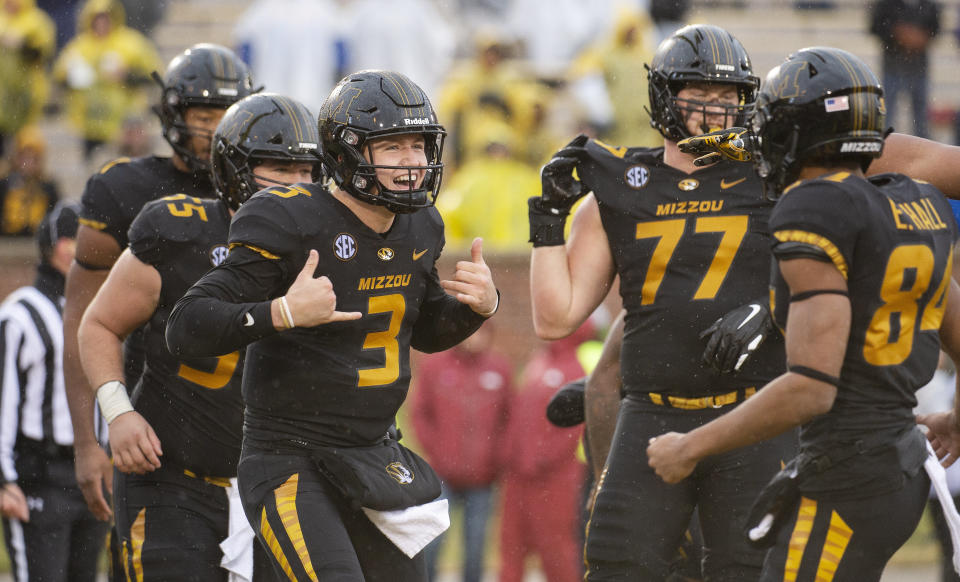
50	534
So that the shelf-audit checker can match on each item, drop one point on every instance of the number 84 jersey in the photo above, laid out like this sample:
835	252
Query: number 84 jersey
688	248
892	239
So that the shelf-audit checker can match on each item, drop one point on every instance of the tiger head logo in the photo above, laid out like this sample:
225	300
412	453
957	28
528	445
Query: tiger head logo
400	473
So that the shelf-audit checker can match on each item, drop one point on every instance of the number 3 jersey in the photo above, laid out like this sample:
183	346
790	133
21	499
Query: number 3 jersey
688	248
892	239
193	404
341	382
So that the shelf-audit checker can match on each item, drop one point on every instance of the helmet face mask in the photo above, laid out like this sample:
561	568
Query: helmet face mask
369	105
698	54
821	105
260	127
204	75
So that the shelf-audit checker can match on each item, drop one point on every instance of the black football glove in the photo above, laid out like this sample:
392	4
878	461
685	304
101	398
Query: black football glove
566	408
735	336
548	212
733	143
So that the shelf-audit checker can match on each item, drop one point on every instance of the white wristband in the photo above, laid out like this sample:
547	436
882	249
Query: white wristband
492	311
286	314
113	400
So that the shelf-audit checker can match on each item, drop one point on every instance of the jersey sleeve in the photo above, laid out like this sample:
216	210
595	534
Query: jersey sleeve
227	308
101	208
819	215
443	322
264	225
145	234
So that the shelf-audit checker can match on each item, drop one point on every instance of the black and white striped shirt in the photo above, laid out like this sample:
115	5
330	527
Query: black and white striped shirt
33	401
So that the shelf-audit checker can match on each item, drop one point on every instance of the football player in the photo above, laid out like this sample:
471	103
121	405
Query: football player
862	286
176	449
331	289
198	86
690	245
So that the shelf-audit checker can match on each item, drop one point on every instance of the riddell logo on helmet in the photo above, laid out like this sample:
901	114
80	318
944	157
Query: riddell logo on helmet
851	147
416	121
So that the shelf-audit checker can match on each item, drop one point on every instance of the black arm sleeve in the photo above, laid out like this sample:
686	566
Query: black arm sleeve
228	308
443	323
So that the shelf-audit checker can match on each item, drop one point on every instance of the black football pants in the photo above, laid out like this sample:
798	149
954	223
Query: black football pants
638	521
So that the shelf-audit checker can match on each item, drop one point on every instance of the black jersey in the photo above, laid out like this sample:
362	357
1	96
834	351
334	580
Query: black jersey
892	239
114	195
341	382
194	405
688	248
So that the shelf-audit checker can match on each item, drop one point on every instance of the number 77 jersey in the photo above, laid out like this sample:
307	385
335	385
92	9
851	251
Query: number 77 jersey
892	239
688	248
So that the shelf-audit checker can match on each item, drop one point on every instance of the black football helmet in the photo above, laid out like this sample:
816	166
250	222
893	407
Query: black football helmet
821	103
698	53
372	104
259	127
205	75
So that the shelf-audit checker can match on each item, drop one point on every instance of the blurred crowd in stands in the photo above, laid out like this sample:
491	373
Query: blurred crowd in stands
512	80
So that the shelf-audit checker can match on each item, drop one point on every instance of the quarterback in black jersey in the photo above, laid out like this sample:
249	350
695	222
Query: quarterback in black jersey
862	287
198	86
331	289
172	515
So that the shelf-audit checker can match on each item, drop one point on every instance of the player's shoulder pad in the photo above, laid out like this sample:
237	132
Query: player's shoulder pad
269	221
598	150
179	218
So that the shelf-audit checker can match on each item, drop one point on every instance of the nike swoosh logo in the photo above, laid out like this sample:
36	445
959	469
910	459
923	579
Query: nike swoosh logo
724	184
416	255
248	321
755	309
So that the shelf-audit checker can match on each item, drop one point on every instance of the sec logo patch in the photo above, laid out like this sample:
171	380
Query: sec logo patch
344	247
637	176
218	254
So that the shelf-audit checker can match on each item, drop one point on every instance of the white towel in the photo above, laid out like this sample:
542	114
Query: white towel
238	547
938	478
411	529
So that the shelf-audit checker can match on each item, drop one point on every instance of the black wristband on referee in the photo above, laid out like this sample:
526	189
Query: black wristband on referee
546	224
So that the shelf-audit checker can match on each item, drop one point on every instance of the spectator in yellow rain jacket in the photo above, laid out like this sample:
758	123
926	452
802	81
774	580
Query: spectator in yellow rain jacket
487	196
490	89
27	39
610	81
26	193
105	67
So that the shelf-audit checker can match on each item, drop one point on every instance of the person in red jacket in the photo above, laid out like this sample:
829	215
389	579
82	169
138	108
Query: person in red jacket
543	480
459	414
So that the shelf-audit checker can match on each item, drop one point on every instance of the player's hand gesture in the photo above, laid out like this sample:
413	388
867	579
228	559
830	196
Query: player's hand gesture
733	143
473	284
311	300
135	447
667	455
560	189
